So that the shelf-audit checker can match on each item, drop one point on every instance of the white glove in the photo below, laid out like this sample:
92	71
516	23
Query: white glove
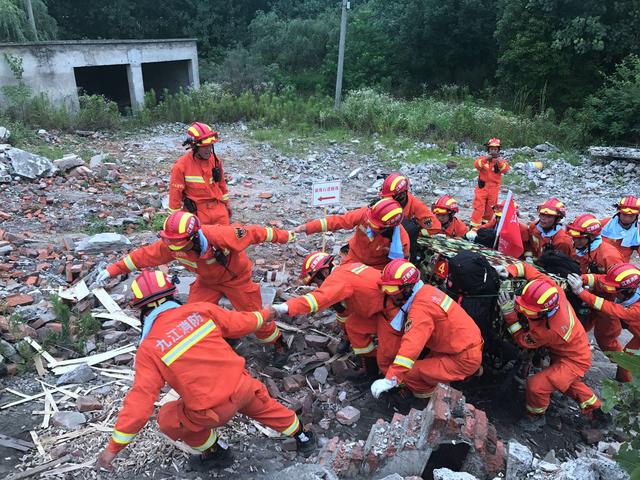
501	270
529	260
102	278
575	282
281	309
471	235
505	302
380	386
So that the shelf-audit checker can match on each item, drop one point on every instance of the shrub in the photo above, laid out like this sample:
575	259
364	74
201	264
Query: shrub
97	113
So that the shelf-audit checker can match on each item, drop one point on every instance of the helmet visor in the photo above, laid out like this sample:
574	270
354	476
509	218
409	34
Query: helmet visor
390	289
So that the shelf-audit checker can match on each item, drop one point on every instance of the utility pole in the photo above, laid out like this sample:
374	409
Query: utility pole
343	36
32	20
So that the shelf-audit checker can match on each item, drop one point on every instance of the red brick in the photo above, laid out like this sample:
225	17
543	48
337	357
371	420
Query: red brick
265	195
481	430
32	280
88	403
12	369
19	299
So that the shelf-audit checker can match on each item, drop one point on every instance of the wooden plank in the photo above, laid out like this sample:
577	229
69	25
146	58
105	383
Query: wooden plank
16	392
37	361
64	391
23	400
47	413
36	442
39	469
57	439
36	346
106	300
68	365
289	328
120	317
16	443
70	468
76	293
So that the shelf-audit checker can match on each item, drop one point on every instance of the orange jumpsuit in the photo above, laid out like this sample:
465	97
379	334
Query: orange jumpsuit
565	338
213	280
185	348
455	229
438	323
599	260
193	178
560	242
487	196
415	209
355	286
614	313
626	252
373	252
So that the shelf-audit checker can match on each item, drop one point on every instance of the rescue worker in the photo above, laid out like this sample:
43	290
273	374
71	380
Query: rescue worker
623	283
352	290
547	233
594	255
396	186
428	318
379	235
184	346
445	209
541	317
197	183
623	229
490	168
216	254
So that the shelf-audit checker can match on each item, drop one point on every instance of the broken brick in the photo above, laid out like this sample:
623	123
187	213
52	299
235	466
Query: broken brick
293	383
12	369
88	403
348	415
318	341
265	195
19	299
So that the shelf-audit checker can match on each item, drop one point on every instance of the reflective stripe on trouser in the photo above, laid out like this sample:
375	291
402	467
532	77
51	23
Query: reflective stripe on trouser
212	213
440	368
250	398
360	332
483	200
559	376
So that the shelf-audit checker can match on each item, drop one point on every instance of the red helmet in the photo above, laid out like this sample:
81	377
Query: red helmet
538	296
493	142
149	286
554	207
394	184
629	204
445	204
313	263
622	276
200	134
397	273
499	207
584	225
385	213
179	228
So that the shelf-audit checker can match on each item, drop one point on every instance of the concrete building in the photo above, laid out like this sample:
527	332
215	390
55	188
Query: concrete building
122	70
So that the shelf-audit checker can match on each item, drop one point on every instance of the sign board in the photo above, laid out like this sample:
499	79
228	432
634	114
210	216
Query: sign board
326	193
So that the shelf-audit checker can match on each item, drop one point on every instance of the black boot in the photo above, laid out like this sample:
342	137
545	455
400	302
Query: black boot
344	346
217	456
281	353
306	442
402	400
366	373
599	419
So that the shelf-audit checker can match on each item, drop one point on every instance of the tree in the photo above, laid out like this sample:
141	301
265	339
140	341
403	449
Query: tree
14	24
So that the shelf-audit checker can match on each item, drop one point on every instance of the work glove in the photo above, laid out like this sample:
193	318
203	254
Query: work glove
102	278
496	167
300	229
293	237
501	270
382	385
505	302
529	259
575	282
281	309
105	460
471	235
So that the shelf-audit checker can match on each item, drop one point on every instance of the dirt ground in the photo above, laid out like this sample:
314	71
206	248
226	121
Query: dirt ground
143	161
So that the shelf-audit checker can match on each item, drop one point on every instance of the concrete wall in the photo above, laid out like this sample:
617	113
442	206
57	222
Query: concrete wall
49	66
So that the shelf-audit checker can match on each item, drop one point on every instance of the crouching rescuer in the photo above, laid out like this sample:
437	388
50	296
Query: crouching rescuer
184	346
428	318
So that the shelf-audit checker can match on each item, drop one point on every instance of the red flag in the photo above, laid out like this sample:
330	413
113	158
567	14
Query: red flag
508	232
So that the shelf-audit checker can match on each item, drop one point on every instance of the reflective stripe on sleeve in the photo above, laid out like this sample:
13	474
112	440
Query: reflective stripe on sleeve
121	437
403	361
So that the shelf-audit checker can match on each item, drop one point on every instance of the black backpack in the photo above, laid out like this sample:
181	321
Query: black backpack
486	237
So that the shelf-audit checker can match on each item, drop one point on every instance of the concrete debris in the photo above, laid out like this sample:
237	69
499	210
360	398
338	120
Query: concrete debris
348	415
301	471
68	420
446	474
519	460
96	160
81	374
68	162
103	242
5	133
29	165
618	153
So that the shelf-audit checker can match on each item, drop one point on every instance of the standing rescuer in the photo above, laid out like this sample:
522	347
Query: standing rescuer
445	209
623	230
216	254
183	346
490	168
547	233
542	317
428	318
379	235
197	183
